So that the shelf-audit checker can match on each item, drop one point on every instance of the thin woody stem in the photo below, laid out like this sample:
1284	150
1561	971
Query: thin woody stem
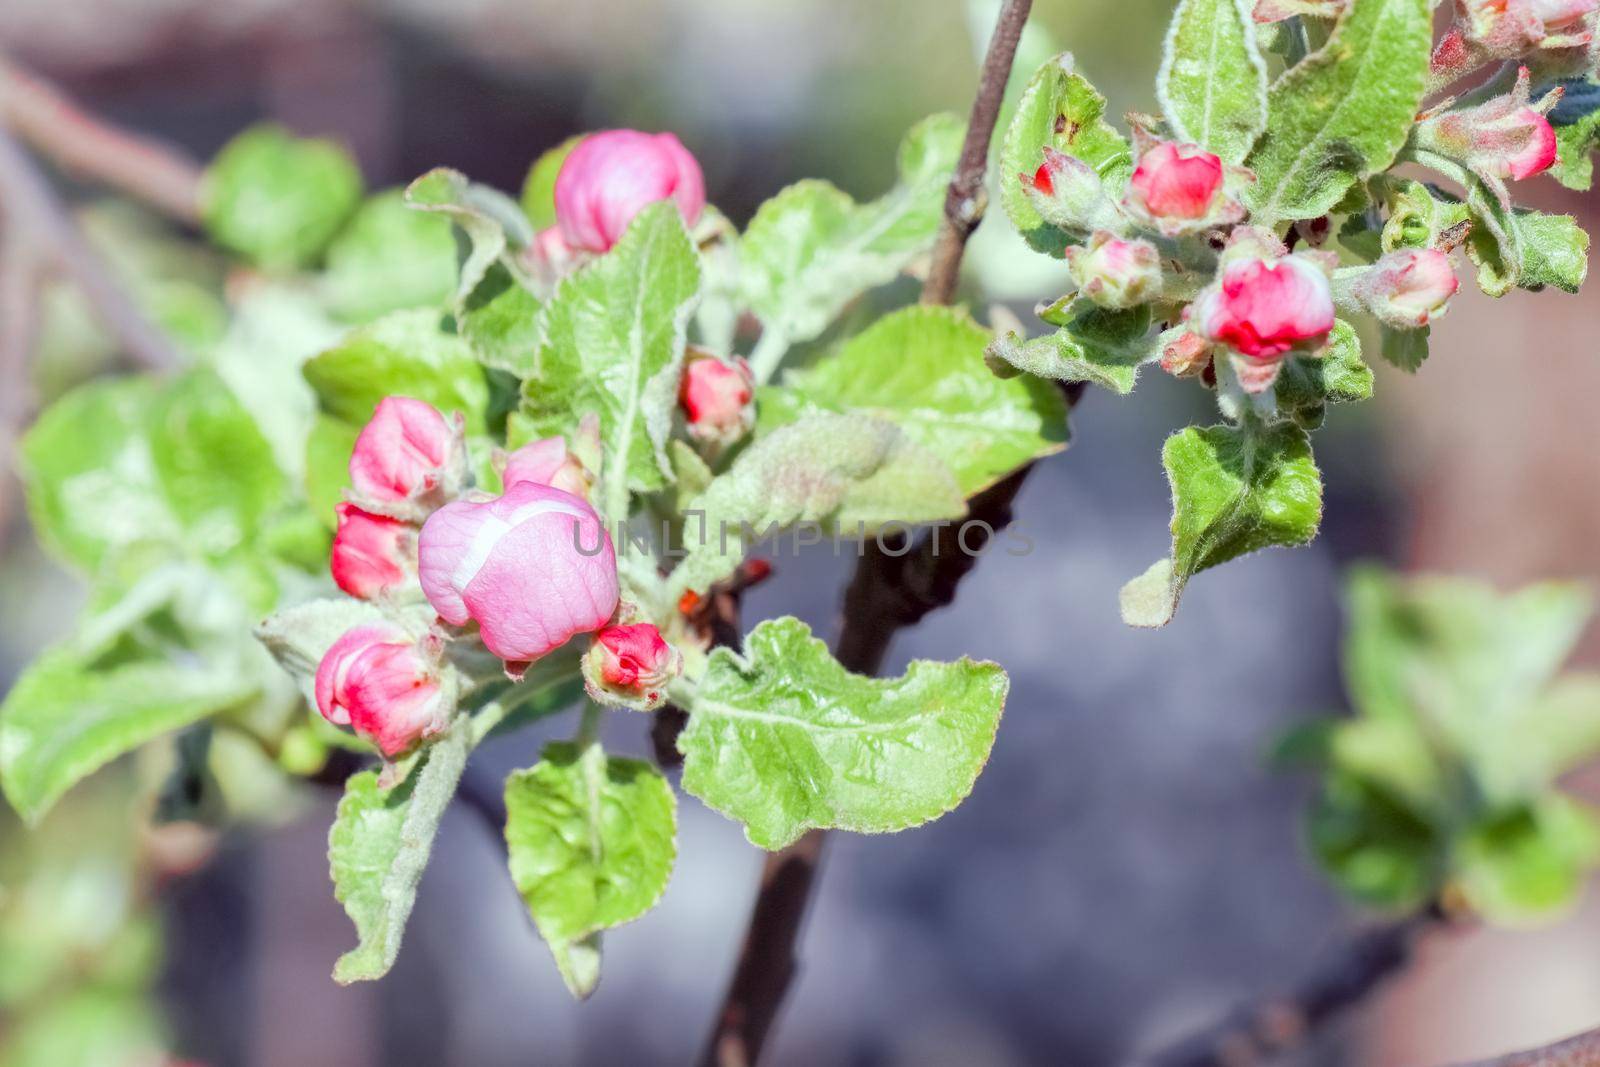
877	604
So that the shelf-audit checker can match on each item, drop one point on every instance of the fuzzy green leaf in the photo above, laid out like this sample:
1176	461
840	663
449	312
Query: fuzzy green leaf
1213	82
63	720
1576	119
784	739
1059	109
389	258
591	843
613	346
922	369
1099	346
1555	251
842	471
812	249
1305	385
406	353
1234	491
1343	112
1406	349
379	847
276	199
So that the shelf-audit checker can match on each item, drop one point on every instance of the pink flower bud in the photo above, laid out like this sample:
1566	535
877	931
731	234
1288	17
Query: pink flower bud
1264	309
382	683
1067	192
1184	353
1507	29
633	663
547	462
1176	183
372	554
1560	16
1507	137
532	568
612	175
406	454
1116	273
1409	288
716	398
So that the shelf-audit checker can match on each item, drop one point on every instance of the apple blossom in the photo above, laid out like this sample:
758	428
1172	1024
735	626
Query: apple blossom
1263	308
614	174
372	554
1114	272
547	462
632	663
383	684
407	454
1180	188
1506	137
532	568
716	396
1067	192
1409	288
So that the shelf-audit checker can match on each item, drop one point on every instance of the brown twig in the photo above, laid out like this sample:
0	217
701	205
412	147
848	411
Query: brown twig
1582	1050
36	215
1258	1032
886	594
86	146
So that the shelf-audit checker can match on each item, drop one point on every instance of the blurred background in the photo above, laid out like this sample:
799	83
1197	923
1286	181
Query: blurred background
1127	867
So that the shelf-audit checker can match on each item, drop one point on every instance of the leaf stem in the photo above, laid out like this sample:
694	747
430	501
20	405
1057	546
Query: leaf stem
886	593
769	351
589	725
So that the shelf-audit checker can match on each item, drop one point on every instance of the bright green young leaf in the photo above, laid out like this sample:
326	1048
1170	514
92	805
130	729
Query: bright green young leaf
613	346
1234	491
922	369
591	842
1059	109
1213	82
62	720
389	258
276	199
1418	215
842	471
784	739
406	353
1305	385
1099	346
1343	112
539	188
812	249
1521	866
379	846
1373	846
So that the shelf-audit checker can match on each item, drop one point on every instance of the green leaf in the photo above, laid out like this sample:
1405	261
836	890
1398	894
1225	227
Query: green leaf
379	847
1061	110
1405	349
1373	846
500	319
784	739
119	461
841	471
591	842
922	369
1576	119
1419	215
329	447
539	188
277	199
1343	112
389	258
1234	491
1213	82
613	346
405	353
812	249
1099	346
1521	866
63	721
1305	384
299	636
1555	251
1556	731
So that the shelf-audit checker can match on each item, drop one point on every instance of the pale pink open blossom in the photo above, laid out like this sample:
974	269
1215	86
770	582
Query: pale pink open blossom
1116	272
634	662
1176	181
384	685
716	398
532	568
372	554
547	462
1263	309
614	174
405	453
1409	288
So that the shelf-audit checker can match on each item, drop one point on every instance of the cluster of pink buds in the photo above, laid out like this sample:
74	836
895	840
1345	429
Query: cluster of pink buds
631	665
716	398
1506	137
1265	305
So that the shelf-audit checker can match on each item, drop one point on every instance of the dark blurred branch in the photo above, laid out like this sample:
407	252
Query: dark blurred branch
1257	1033
34	214
1580	1051
886	594
88	147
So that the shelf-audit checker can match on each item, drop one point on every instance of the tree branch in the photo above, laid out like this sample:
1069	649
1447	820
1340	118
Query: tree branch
1256	1033
1582	1050
886	594
85	146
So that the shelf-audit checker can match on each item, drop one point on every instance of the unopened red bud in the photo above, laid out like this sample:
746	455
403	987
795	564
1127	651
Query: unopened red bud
372	554
716	398
633	664
384	685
